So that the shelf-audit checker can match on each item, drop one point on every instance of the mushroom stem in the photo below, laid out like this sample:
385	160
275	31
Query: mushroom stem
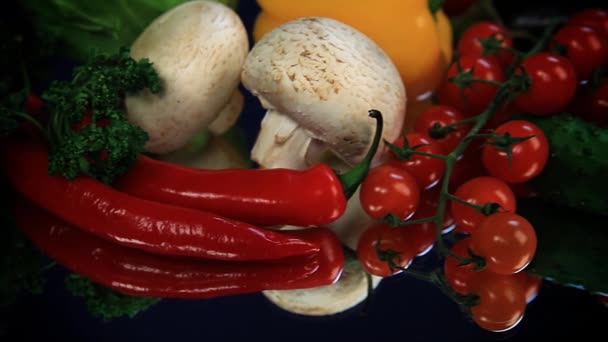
351	179
281	142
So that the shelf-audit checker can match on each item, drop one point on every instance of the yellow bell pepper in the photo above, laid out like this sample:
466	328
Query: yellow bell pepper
419	43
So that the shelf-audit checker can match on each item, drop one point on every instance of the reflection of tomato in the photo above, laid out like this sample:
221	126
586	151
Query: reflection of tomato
427	170
383	237
502	302
387	189
528	157
461	278
532	284
507	241
479	191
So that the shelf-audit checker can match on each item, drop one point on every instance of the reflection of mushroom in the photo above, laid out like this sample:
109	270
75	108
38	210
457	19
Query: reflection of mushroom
198	49
317	78
350	290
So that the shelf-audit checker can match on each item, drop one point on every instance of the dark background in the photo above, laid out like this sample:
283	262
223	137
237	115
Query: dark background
402	307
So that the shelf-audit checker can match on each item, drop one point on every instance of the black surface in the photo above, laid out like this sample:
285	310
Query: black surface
403	308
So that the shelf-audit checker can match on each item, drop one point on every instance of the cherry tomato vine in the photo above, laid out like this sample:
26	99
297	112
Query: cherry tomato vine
484	270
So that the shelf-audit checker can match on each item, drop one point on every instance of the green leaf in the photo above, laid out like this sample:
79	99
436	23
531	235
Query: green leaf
105	303
88	27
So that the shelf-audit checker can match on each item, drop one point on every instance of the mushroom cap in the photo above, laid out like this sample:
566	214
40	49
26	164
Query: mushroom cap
326	76
198	49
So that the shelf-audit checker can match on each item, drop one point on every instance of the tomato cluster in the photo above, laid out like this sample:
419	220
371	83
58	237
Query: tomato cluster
488	168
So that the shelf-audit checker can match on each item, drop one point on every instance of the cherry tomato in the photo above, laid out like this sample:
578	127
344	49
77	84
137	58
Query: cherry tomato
388	189
528	157
470	45
384	237
502	114
506	240
502	302
587	49
461	278
479	191
591	103
553	84
475	97
427	170
442	115
468	165
593	17
423	235
457	7
523	190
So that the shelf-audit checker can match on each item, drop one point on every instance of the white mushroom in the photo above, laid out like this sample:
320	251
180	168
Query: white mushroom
350	290
198	48
318	78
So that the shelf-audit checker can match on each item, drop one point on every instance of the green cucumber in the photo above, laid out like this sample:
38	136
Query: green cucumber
571	245
576	174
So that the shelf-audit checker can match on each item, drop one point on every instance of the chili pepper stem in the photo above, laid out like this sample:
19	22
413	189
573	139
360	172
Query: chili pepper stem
350	180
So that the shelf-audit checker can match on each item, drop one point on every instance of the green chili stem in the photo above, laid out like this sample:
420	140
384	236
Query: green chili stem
351	179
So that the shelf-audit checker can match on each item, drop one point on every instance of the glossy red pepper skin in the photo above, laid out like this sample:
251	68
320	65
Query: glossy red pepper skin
311	197
134	272
130	221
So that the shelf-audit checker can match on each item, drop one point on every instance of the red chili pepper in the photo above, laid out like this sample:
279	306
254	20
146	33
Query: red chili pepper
159	228
312	197
135	272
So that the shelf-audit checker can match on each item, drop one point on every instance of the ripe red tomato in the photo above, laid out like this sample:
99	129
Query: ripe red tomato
423	235
470	45
474	98
587	49
591	103
553	84
479	191
456	7
468	166
427	170
502	302
506	240
385	238
593	17
442	115
461	278
528	158
388	189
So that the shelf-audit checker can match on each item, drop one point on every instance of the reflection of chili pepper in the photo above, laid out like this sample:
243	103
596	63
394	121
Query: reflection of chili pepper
155	227
312	197
135	272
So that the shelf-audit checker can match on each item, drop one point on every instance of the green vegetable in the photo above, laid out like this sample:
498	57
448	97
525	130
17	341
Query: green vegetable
104	303
577	170
571	245
88	128
89	27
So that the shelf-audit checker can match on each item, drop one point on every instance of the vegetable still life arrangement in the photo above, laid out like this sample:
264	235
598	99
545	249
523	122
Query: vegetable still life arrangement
368	156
